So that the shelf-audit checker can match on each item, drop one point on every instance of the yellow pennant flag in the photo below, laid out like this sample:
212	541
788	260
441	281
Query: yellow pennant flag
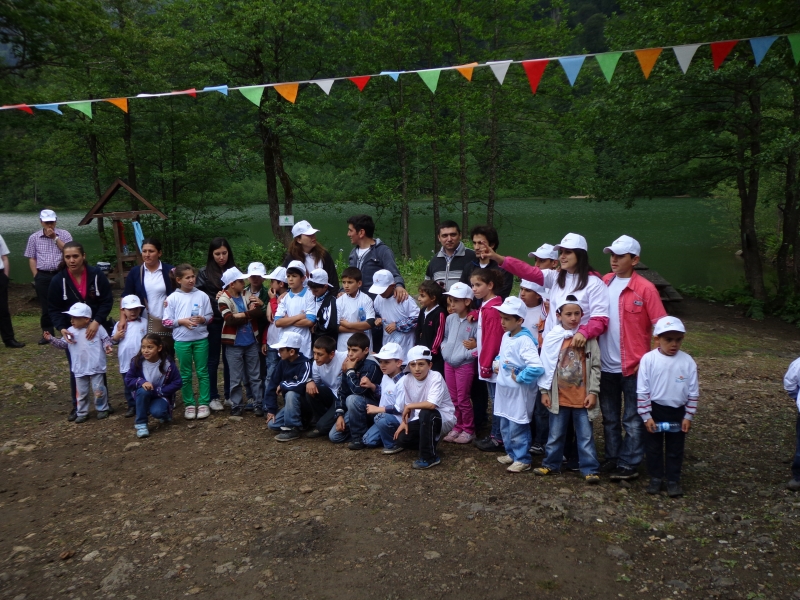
288	90
121	103
647	59
466	70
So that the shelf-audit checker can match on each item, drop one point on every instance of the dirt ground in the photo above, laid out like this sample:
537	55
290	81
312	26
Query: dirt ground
218	509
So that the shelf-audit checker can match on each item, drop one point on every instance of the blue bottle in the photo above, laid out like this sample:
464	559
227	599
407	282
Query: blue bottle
668	427
362	314
195	310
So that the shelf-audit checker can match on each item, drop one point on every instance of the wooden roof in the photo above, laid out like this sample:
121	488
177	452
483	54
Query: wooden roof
130	214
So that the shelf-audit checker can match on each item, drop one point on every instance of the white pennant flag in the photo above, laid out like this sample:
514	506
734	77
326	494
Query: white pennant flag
499	68
685	54
325	85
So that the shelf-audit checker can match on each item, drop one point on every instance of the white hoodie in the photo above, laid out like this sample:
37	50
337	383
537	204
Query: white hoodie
179	306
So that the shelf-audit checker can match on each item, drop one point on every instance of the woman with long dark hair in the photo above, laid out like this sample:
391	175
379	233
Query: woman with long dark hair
305	248
209	280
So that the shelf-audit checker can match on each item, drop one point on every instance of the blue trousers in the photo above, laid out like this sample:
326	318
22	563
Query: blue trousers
150	403
516	439
356	418
627	452
587	454
385	425
290	416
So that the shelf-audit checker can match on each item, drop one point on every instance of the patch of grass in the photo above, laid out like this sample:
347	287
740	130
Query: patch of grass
623	577
729	563
701	343
638	523
547	584
702	541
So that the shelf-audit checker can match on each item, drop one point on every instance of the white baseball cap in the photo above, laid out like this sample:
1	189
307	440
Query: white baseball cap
624	244
296	264
231	275
460	290
381	281
319	277
572	241
131	301
303	228
668	323
545	252
529	285
279	274
569	299
390	351
419	353
47	215
79	309
513	306
289	339
256	268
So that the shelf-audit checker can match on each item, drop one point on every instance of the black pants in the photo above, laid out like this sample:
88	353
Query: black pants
6	328
664	451
423	434
479	395
42	285
322	409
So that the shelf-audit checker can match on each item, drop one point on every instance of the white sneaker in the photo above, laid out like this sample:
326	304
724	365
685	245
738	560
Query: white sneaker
190	413
505	459
203	412
228	403
216	405
518	467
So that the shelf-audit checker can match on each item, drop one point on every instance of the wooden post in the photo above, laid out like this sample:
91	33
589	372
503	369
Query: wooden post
118	268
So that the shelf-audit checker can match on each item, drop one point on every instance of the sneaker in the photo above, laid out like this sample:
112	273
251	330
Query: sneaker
608	466
314	433
131	412
356	446
592	479
489	444
142	431
464	438
393	450
537	450
518	467
216	405
73	414
203	412
425	464
190	413
82	419
259	412
654	487
111	410
624	474
505	459
451	437
249	407
544	471
794	485
102	414
227	403
674	489
237	411
287	435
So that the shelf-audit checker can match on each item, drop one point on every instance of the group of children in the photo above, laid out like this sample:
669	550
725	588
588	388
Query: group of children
571	346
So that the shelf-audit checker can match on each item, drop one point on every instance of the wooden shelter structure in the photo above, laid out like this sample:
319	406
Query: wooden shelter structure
124	258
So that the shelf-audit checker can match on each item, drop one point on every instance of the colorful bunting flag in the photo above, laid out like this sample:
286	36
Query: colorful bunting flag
685	54
393	74
360	82
647	59
466	70
534	69
720	50
288	91
325	85
121	103
500	68
572	66
52	107
190	92
608	63
253	93
84	107
222	89
22	107
431	78
760	47
794	42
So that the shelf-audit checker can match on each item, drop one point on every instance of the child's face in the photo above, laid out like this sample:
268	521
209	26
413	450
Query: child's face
357	354
419	368
570	316
237	287
425	300
256	281
546	263
456	305
295	281
623	264
287	353
568	260
80	322
670	342
131	314
479	288
277	286
318	290
389	292
529	297
510	322
186	282
150	351
391	366
321	357
351	286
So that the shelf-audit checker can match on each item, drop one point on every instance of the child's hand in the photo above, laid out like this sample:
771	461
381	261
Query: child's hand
378	322
578	340
366	383
471	319
119	335
109	350
311	388
348	364
264	349
46	335
198	320
147	386
686	425
590	401
514	376
340	424
270	418
546	400
188	323
219	293
344	323
650	425
391	328
402	429
470	344
374	410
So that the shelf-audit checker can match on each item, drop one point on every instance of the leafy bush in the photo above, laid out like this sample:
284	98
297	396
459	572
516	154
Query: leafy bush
248	251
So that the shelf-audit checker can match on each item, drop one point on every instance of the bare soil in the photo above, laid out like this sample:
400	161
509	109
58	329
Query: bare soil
218	509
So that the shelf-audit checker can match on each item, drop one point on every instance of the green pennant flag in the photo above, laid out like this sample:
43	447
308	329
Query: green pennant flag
431	78
84	107
608	63
794	40
253	93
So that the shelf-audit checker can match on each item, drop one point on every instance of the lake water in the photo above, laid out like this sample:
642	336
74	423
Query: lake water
679	236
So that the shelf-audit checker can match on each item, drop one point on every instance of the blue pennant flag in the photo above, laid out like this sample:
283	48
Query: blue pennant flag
393	74
53	107
222	89
760	45
572	66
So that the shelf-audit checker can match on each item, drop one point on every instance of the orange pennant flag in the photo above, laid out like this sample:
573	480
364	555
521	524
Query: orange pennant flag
466	70
647	59
288	90
121	103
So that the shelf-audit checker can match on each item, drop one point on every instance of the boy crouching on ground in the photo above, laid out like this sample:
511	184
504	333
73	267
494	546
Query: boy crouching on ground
290	377
386	418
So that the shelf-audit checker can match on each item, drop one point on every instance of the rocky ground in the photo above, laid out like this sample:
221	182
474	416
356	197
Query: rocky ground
217	509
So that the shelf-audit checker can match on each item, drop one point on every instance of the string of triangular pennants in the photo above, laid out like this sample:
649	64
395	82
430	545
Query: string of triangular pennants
534	69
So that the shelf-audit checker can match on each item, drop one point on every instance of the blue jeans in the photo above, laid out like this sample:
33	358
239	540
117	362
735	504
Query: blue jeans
587	454
386	425
149	403
627	452
129	393
796	461
338	437
357	419
290	416
516	439
272	359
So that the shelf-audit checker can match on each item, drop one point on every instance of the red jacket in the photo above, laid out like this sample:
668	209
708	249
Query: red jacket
639	308
491	336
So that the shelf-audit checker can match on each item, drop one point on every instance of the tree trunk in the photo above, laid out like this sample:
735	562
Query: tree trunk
286	184
267	148
96	184
786	268
492	161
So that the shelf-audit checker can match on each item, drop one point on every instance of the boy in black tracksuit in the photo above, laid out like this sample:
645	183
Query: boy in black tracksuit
361	375
327	322
290	376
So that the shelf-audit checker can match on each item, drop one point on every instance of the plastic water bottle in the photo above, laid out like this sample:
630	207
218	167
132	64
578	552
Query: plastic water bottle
195	310
362	314
668	427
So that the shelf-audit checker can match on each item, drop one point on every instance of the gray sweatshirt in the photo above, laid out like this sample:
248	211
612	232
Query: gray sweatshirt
456	331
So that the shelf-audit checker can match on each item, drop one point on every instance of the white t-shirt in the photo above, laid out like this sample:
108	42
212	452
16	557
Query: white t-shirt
791	381
152	372
392	311
431	389
512	400
3	251
156	291
610	358
532	317
179	306
667	380
391	391
88	357
347	308
130	345
331	373
312	264
297	304
593	299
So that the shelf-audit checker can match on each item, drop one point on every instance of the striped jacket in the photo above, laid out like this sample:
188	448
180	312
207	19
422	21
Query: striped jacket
231	325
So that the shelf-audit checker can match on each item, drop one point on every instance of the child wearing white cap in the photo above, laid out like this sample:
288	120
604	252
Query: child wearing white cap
327	323
289	378
518	368
296	310
535	298
272	333
88	358
667	390
398	319
128	338
354	308
386	418
546	257
791	383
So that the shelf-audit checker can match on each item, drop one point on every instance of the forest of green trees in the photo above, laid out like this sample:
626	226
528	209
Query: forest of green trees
734	132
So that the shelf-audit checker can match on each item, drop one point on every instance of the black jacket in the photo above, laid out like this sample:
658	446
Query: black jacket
327	264
291	377
327	322
446	274
210	289
62	294
351	383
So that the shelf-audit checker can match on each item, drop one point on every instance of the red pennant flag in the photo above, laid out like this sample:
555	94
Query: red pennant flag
720	51
360	82
22	107
534	69
190	92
